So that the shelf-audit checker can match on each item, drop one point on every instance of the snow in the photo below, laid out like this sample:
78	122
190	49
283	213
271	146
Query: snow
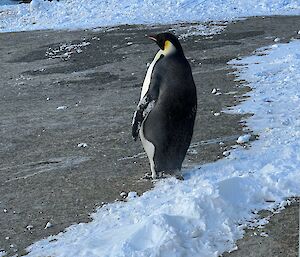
7	2
79	14
131	195
205	214
243	139
226	153
65	51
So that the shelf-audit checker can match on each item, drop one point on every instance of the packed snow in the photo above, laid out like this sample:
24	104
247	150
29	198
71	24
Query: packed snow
79	14
8	2
243	139
205	214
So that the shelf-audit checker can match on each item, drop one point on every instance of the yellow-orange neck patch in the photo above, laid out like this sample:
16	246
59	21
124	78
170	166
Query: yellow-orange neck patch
168	48
167	45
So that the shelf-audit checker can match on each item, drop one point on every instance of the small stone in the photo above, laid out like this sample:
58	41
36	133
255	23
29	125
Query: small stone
84	145
48	225
123	194
214	91
264	234
62	107
29	227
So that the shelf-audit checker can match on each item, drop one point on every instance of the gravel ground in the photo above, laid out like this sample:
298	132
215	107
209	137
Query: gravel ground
61	90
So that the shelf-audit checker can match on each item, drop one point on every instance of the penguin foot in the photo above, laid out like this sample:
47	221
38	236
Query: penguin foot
147	176
176	175
162	175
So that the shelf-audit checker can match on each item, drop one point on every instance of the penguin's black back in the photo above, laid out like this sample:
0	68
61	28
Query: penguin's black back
169	125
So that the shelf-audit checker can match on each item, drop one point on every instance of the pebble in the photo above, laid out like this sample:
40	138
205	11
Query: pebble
48	225
29	227
264	234
123	194
62	107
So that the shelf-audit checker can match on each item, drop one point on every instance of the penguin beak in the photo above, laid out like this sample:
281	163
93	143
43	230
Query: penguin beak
152	37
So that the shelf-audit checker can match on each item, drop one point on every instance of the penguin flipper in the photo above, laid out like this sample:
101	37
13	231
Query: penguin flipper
145	105
143	108
136	123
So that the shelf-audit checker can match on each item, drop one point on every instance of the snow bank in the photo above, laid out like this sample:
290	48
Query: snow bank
78	14
205	214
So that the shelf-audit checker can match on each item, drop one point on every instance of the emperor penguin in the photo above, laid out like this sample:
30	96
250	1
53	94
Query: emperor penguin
165	115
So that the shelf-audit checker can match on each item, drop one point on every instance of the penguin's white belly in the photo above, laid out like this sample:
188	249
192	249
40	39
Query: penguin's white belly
149	149
147	79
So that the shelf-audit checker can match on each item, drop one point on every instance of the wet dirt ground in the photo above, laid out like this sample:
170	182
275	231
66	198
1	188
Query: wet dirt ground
61	90
278	238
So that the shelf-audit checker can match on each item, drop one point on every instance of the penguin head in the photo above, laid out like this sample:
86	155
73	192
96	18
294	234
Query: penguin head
167	42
